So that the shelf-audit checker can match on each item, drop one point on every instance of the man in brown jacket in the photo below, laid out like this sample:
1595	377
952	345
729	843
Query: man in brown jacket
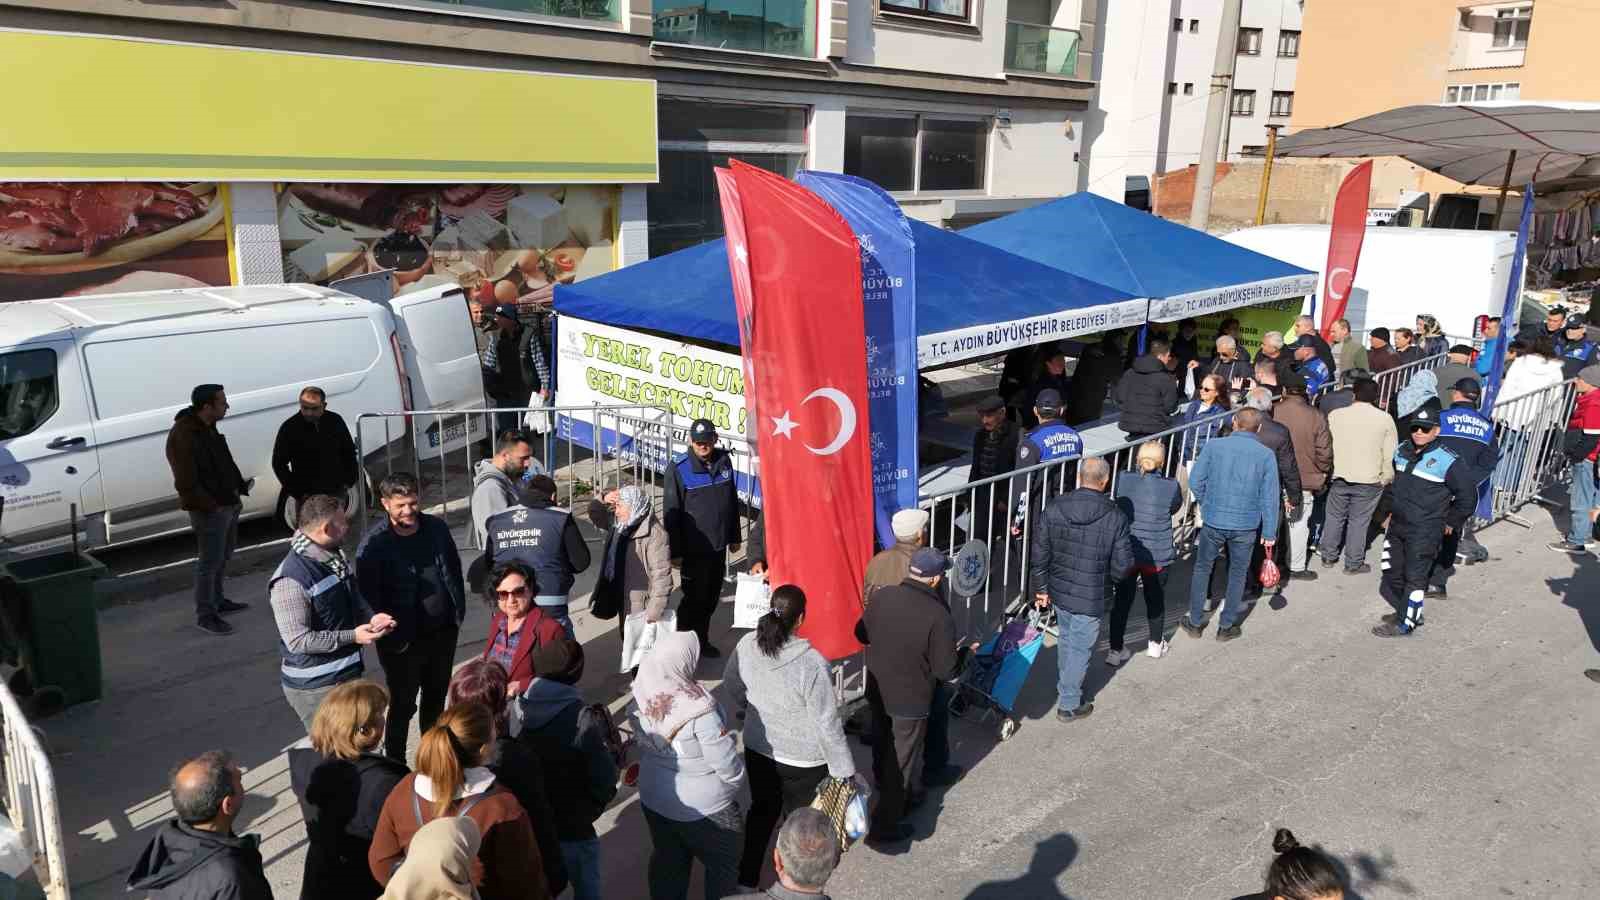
208	484
890	566
1313	451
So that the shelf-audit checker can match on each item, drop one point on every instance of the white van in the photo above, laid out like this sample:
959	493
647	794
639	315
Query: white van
89	387
1404	272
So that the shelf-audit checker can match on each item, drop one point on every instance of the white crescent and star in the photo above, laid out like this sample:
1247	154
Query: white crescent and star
1333	286
784	426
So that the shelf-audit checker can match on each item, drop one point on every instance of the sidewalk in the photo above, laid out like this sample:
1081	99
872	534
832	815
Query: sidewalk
1453	764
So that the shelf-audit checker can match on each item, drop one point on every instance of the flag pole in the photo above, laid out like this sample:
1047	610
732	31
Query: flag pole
1266	174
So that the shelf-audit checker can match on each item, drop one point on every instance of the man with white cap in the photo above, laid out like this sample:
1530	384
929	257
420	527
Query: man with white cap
889	567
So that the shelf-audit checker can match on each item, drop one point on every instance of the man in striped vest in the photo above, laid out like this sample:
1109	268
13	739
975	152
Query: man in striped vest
317	607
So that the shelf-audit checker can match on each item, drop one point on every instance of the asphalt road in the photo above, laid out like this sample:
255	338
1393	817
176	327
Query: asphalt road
1454	764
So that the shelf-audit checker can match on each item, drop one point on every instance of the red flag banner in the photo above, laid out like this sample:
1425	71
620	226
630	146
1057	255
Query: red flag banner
1344	244
739	270
806	353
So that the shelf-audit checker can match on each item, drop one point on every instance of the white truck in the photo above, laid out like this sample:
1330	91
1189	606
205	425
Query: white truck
1404	272
89	387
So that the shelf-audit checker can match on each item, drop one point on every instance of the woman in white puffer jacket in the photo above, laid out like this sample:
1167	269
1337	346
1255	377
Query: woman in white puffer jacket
1532	371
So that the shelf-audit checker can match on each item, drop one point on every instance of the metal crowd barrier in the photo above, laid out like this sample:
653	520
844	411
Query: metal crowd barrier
1529	431
31	798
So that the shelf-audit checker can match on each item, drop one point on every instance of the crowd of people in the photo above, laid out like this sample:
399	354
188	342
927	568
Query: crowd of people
514	768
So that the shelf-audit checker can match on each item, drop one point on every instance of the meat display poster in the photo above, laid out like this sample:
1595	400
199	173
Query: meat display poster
65	239
503	243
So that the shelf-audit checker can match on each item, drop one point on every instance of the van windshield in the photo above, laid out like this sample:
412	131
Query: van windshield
28	394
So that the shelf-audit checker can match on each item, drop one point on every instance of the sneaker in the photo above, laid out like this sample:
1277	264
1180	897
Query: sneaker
1568	547
1191	629
1394	619
1329	563
214	625
1362	569
1435	594
1227	634
231	606
1393	630
1115	658
1303	575
1157	649
1592	674
1073	715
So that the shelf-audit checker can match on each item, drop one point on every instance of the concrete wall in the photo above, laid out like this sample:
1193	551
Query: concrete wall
881	37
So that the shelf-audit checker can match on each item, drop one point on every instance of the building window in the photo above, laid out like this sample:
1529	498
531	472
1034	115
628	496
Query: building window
1194	26
939	9
696	137
1511	27
1172	87
1250	41
1188	89
1479	93
916	153
1282	103
1252	149
1244	103
787	27
591	10
1177	24
1288	44
27	391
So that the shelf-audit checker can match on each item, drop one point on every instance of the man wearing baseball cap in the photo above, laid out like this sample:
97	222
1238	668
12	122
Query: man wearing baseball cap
1433	495
1457	365
911	648
518	369
1469	434
701	509
1052	440
1577	352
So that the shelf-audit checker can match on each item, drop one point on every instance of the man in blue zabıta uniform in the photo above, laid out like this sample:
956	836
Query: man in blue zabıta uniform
1469	435
1577	352
701	509
1433	494
1311	366
1050	440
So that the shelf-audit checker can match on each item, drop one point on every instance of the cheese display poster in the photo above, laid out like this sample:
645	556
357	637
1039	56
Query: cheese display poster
502	243
670	382
62	239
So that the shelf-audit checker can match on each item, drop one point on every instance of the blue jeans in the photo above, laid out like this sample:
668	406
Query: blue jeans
1585	496
1240	545
583	867
555	606
1075	639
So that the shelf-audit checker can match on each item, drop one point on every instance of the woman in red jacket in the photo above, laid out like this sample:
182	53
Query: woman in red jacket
518	625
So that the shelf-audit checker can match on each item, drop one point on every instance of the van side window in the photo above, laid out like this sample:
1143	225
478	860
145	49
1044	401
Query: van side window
28	395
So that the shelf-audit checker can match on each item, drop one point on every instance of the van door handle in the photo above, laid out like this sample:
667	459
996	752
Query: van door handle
62	443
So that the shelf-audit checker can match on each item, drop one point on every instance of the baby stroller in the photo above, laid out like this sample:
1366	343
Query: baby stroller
995	673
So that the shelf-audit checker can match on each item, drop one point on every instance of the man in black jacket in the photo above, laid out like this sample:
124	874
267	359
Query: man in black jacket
544	538
701	510
520	369
313	453
1081	546
994	452
1053	378
911	645
1469	434
580	774
407	566
208	484
196	856
1148	393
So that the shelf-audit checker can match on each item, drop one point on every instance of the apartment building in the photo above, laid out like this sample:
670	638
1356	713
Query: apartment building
1153	63
512	144
1442	51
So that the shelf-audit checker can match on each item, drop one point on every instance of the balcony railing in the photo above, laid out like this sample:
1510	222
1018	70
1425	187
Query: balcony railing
1041	49
567	9
771	26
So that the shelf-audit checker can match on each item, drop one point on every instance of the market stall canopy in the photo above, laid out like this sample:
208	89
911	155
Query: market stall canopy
972	299
1183	272
1470	143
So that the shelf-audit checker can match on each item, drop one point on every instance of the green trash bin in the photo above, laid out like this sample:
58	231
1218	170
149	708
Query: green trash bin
50	612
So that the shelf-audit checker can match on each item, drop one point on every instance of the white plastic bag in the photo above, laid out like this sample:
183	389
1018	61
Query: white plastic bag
751	600
638	636
536	420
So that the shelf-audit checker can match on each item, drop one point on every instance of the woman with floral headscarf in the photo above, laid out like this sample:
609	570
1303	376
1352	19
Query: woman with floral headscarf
690	773
1430	337
636	564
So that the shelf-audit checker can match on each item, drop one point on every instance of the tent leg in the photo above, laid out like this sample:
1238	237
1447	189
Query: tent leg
1505	185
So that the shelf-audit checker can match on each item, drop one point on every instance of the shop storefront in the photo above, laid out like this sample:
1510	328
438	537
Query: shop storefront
242	166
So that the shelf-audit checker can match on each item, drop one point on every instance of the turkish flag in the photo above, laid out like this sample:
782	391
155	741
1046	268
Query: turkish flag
806	355
739	271
1344	244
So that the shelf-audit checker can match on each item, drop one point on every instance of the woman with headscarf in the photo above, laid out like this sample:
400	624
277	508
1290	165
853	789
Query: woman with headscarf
690	773
1430	337
440	862
1422	391
636	565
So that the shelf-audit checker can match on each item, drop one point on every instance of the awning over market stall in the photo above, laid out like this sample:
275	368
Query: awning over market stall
1182	271
1547	143
972	299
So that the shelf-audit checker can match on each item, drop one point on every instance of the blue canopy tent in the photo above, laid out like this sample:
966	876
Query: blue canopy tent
972	299
1182	271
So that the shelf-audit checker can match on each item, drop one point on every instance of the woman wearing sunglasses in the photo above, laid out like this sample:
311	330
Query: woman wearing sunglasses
518	626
